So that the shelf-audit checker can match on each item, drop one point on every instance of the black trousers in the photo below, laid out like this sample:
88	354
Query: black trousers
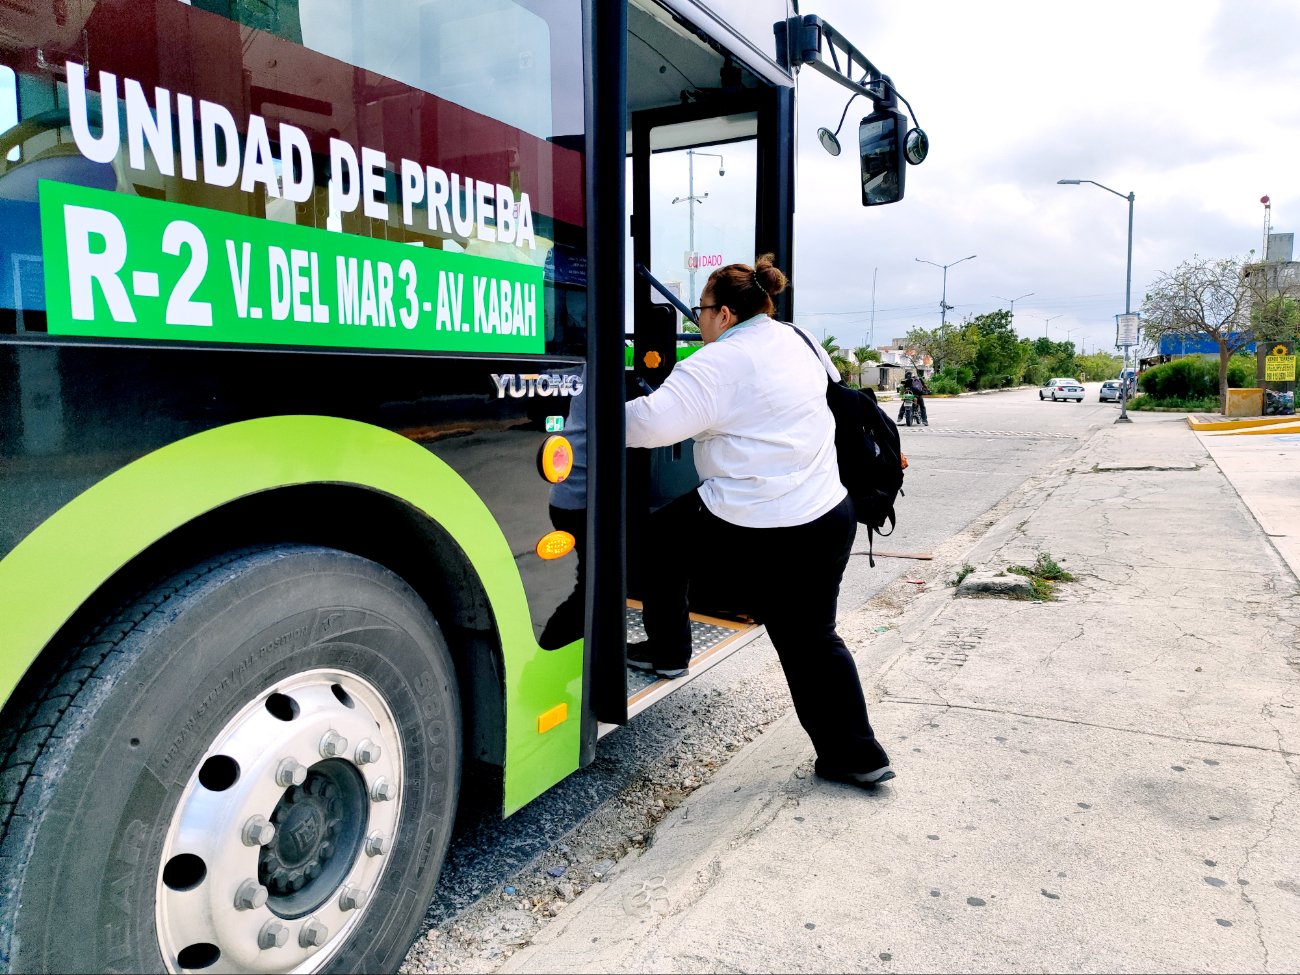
789	580
918	409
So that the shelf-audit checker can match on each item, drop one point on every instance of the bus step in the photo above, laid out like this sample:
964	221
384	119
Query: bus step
713	639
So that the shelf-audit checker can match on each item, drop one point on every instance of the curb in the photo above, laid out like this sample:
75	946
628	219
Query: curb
1256	425
1234	425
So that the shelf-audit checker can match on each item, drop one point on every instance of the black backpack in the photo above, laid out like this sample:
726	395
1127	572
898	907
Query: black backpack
869	452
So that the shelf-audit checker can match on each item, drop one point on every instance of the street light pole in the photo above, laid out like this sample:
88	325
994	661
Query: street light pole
943	302
691	199
1128	287
1048	320
1013	306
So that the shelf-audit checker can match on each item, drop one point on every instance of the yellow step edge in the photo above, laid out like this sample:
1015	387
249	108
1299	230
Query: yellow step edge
1243	423
1271	430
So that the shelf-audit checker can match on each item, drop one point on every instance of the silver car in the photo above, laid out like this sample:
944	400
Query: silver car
1109	391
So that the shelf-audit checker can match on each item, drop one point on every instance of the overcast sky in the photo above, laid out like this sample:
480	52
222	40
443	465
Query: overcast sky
1192	105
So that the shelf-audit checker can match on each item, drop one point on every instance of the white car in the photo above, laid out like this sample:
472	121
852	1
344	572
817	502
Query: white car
1061	389
1109	392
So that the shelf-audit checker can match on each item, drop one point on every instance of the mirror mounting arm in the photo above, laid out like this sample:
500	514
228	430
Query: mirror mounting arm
799	42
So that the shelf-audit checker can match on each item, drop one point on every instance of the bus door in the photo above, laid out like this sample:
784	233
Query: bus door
709	179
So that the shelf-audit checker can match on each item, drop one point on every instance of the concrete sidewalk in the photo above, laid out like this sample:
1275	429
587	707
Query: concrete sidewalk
1105	782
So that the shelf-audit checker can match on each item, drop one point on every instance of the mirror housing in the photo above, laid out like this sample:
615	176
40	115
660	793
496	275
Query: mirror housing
881	145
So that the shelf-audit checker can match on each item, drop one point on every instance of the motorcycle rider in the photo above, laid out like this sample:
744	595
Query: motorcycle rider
917	387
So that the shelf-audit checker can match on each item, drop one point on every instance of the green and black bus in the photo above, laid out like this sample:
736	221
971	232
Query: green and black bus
306	308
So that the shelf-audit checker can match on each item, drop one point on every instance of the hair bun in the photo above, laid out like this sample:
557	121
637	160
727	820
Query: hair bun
769	276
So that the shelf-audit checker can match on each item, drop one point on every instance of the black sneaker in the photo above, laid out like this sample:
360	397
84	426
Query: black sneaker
864	779
640	656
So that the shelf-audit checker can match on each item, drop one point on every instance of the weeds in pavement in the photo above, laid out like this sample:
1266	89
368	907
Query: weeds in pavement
1042	574
965	570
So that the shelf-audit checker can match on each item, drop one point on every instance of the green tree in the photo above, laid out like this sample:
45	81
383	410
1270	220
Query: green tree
1276	320
949	346
839	358
861	356
1001	357
1048	359
1098	365
1202	297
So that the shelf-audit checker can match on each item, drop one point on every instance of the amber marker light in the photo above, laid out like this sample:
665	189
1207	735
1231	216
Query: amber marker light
554	545
653	360
555	461
553	718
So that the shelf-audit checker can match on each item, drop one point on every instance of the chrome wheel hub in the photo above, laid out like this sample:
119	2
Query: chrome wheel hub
282	832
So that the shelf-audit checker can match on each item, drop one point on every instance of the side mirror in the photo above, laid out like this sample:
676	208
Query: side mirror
881	143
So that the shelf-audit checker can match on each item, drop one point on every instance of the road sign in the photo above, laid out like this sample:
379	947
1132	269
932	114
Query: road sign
1128	330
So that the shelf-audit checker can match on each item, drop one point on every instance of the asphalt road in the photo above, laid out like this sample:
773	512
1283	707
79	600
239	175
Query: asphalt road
976	450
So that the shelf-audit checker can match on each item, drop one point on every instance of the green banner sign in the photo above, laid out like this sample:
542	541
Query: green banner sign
119	266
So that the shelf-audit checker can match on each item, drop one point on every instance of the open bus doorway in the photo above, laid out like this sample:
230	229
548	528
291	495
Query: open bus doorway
709	172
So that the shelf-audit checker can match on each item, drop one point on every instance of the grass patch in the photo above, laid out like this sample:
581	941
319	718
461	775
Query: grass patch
965	570
1042	575
1197	404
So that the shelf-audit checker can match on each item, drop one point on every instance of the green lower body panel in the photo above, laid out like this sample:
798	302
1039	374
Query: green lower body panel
56	568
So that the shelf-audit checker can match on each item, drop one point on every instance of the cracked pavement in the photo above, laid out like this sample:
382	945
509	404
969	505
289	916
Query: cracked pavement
1109	781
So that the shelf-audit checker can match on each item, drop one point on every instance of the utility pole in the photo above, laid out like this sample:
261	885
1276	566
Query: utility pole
691	199
1013	306
872	341
1128	324
943	302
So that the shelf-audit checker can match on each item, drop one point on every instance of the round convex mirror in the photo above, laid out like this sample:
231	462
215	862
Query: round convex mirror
828	141
917	146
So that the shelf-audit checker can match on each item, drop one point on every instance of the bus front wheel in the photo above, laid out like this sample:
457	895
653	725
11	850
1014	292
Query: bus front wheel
253	767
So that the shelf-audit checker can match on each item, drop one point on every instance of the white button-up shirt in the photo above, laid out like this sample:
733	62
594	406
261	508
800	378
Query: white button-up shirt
755	402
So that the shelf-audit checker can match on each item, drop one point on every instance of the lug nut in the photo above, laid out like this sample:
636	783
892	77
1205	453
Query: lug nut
313	934
353	898
290	772
250	895
333	744
273	935
376	844
383	790
368	752
258	831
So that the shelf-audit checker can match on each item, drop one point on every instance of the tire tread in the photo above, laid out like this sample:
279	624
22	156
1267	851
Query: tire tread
25	744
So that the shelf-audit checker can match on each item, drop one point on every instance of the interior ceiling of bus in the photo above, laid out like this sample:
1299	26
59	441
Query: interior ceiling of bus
669	64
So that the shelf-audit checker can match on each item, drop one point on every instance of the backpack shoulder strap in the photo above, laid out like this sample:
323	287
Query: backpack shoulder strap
812	348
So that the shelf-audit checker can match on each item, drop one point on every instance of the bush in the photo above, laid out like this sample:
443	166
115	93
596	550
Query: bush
942	385
1241	371
1195	378
1205	404
1037	373
961	375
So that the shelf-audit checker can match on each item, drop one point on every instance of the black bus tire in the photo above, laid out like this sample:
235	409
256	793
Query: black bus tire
127	794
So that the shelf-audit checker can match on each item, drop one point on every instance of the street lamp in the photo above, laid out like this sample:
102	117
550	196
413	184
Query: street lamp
1013	306
943	302
1047	321
1128	285
691	199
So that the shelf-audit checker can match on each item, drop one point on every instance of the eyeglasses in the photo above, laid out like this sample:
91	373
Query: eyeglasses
695	310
